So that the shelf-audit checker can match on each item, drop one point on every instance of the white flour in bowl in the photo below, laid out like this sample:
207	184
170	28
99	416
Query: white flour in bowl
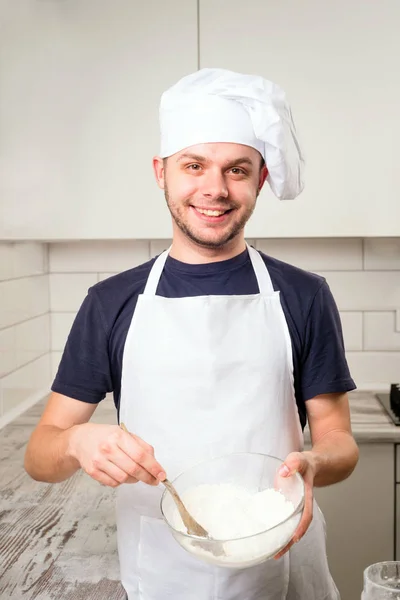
229	512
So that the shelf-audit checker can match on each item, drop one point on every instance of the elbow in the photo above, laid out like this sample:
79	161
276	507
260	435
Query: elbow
353	458
28	466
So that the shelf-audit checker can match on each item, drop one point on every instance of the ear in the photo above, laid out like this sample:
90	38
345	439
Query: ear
159	171
263	177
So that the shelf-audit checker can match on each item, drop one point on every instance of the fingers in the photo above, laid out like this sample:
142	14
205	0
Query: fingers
119	475
104	479
307	515
298	462
294	463
141	463
113	456
126	469
111	476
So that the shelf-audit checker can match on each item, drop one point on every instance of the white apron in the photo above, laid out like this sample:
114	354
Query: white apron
205	376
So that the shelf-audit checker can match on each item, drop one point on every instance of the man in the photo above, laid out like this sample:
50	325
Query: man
212	348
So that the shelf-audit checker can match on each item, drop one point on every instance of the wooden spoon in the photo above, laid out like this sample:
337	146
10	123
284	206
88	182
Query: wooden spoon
192	526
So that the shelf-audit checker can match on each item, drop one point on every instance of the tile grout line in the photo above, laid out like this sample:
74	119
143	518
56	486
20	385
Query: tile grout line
363	254
363	331
32	276
23	366
24	321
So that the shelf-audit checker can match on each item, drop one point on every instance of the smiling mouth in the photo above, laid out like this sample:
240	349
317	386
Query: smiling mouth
212	212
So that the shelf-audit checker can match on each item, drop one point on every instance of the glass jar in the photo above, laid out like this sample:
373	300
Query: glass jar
382	581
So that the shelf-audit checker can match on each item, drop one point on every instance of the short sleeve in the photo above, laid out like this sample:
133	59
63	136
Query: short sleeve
84	372
324	368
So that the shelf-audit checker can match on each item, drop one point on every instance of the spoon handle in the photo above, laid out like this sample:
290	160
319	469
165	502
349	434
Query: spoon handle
191	524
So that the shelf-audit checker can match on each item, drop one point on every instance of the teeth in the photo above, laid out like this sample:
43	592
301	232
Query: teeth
211	213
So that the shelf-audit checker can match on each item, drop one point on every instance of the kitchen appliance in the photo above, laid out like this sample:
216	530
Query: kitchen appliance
391	402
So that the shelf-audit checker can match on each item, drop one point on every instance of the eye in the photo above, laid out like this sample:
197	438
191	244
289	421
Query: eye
194	167
238	171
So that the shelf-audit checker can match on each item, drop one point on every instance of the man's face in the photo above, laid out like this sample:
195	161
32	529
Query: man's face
211	190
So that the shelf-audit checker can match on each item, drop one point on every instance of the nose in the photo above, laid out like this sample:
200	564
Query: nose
214	185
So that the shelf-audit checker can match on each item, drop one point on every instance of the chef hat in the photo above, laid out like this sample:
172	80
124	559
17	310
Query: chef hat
216	105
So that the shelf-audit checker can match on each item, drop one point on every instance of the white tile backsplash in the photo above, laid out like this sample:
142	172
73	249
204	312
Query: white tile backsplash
316	254
6	260
24	322
90	257
23	382
61	324
8	360
374	367
37	309
32	339
382	254
380	331
29	259
22	259
102	276
352	323
55	358
23	299
158	246
68	290
365	290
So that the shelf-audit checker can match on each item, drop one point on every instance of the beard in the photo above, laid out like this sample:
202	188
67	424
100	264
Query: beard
198	237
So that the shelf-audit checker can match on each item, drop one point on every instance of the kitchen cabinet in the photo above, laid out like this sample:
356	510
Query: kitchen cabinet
80	90
359	513
338	63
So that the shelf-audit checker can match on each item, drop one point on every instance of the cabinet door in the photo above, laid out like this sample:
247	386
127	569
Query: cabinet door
80	89
339	64
359	513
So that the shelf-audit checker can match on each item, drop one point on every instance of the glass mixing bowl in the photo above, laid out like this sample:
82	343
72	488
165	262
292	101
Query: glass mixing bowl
382	581
254	473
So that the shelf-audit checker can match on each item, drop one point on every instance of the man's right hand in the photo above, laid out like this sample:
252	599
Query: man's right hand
111	456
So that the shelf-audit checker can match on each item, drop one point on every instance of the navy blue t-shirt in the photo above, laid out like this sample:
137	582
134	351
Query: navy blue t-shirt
91	365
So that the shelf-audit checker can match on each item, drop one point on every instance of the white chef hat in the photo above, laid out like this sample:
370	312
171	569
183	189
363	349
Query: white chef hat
216	105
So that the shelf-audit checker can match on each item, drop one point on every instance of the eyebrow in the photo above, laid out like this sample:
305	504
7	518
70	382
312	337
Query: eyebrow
231	163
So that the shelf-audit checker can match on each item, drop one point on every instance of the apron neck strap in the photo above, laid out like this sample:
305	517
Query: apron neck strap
155	274
261	272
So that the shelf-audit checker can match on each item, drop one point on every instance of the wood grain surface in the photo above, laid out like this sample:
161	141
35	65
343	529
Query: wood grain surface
57	542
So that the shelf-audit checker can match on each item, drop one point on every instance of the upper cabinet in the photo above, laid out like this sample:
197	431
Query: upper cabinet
339	65
80	84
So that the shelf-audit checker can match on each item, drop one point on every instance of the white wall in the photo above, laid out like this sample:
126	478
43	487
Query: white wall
24	323
364	276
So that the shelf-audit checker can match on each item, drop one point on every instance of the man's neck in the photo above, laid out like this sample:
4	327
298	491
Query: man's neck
187	251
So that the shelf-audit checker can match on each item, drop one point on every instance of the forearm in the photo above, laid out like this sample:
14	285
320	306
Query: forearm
48	457
334	457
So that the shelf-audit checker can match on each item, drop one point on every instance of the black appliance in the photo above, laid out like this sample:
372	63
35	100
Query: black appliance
391	402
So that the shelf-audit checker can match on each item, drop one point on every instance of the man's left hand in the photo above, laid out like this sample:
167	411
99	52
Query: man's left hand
303	463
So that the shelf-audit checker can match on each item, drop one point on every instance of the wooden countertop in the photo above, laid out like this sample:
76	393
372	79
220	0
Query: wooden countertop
59	541
56	541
